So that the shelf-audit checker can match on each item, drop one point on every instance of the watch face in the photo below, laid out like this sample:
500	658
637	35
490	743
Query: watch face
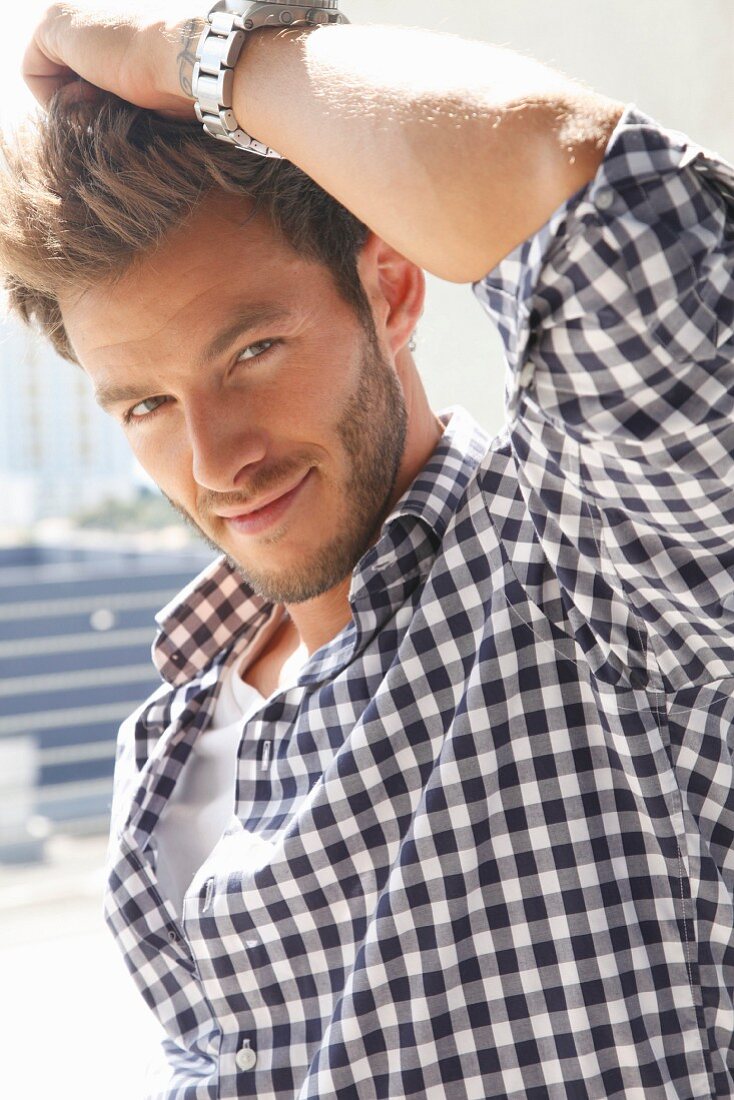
257	14
326	5
318	11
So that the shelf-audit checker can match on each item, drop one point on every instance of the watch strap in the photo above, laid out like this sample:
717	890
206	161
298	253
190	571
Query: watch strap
219	47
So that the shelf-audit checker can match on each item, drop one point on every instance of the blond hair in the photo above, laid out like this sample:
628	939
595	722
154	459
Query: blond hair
90	187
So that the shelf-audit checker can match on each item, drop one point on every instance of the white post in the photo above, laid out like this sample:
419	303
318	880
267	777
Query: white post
19	767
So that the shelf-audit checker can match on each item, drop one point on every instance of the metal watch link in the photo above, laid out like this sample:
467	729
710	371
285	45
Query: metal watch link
220	44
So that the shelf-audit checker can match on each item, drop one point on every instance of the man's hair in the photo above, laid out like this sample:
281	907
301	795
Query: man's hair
91	187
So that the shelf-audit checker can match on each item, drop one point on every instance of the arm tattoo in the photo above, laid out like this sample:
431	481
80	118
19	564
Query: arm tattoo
189	37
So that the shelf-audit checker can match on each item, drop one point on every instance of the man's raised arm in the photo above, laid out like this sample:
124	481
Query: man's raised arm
452	151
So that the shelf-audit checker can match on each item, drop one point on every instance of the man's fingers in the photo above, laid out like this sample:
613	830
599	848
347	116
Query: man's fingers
43	75
126	53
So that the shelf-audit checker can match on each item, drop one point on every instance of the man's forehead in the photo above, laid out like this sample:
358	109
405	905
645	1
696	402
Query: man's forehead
223	247
122	325
207	335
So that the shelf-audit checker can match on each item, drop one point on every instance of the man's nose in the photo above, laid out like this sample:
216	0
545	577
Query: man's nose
224	443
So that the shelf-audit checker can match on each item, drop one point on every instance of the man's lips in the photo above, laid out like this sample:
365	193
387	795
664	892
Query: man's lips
257	517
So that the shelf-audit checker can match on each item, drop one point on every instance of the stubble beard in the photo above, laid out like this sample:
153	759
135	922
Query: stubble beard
372	430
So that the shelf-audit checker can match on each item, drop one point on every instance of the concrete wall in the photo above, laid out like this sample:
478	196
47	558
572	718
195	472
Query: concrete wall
673	58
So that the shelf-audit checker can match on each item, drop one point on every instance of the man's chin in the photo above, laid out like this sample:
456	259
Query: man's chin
293	583
297	584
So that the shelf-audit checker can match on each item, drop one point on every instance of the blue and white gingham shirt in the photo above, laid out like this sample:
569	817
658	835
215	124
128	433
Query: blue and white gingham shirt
490	852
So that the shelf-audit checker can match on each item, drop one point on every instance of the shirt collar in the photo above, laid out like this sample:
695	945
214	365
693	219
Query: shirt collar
435	494
429	504
218	608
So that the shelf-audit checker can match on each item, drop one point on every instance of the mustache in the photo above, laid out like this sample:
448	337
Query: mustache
262	483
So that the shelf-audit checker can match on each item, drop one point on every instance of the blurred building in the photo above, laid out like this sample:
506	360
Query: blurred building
76	627
59	453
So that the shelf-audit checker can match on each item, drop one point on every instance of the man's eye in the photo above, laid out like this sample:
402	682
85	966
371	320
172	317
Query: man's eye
144	408
254	351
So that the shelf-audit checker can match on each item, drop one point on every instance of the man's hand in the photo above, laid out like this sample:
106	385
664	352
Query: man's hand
145	59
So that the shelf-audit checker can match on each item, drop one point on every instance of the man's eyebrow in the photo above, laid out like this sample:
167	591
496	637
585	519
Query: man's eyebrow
245	319
107	396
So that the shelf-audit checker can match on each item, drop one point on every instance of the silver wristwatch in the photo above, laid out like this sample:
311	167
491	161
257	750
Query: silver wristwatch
219	47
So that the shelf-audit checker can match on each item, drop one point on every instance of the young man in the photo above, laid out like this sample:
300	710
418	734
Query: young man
435	798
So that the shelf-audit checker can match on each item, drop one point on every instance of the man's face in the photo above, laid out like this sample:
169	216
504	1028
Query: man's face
253	396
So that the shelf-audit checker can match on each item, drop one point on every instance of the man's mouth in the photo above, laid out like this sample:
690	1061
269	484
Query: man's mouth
257	517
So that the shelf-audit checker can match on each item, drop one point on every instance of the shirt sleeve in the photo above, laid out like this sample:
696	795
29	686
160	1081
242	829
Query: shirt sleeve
617	319
620	310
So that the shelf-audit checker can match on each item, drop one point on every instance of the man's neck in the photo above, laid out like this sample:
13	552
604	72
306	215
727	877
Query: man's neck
321	619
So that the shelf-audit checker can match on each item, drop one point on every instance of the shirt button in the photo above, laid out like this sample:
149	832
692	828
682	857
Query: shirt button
526	376
605	199
245	1057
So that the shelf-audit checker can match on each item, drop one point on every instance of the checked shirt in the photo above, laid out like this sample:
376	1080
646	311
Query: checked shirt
488	850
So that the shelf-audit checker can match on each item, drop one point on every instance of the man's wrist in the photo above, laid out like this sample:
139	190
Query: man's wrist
220	55
272	90
217	54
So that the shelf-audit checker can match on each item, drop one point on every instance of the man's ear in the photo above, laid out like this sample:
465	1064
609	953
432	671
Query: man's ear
396	289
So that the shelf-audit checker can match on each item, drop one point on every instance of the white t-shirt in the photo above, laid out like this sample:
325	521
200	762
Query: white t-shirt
201	805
